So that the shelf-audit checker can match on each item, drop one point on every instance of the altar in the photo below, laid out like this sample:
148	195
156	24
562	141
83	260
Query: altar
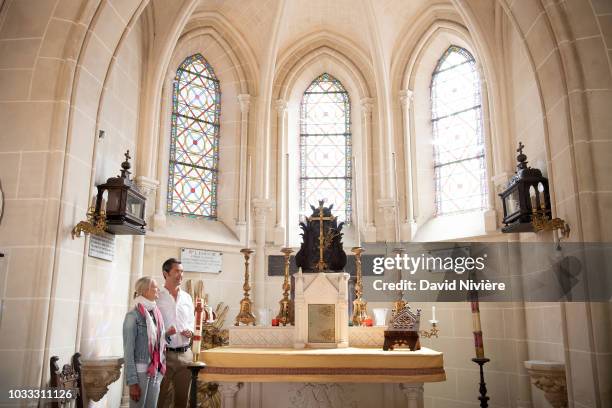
311	357
231	365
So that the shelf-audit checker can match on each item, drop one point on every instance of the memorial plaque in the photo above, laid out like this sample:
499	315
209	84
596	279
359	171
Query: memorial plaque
200	260
102	246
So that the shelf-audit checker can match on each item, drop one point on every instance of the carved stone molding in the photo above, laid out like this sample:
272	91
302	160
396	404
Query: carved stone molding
367	104
413	393
549	377
281	106
406	97
325	395
228	391
146	185
98	374
245	102
261	208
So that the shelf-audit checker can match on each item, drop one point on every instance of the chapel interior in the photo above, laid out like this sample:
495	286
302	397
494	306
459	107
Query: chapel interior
240	114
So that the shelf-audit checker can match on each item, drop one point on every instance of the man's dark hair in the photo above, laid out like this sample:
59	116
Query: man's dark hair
169	263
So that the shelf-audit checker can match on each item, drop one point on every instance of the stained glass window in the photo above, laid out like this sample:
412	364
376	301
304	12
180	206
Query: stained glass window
194	148
458	141
325	146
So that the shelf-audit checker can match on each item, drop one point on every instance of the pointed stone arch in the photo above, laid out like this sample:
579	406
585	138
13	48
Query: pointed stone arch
297	67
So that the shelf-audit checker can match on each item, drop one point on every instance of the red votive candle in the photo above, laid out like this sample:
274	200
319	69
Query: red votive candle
274	322
368	322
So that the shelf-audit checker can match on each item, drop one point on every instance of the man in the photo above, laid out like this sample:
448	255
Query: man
177	310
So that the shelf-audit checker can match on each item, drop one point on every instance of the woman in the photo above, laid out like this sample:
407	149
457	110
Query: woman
144	346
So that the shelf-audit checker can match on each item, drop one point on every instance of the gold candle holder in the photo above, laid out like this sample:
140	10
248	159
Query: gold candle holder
433	332
245	316
285	315
360	306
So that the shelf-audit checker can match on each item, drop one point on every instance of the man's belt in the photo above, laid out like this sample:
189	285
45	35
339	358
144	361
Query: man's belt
178	349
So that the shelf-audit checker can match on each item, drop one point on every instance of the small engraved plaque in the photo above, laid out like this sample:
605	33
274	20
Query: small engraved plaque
102	246
321	323
199	260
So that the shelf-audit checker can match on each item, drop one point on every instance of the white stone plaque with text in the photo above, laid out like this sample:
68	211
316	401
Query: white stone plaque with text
200	260
102	246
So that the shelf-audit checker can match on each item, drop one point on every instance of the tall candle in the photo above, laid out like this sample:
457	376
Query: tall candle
478	343
356	201
287	222
197	330
397	231
433	313
248	201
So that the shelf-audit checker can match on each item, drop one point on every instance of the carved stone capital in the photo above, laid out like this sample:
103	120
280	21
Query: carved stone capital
412	392
500	181
229	389
406	96
146	185
97	375
549	377
367	104
281	106
228	393
261	208
245	102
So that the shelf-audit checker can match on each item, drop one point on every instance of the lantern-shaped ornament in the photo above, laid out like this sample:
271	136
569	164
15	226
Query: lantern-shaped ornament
526	198
125	204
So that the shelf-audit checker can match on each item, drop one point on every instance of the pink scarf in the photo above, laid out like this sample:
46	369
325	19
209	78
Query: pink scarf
157	345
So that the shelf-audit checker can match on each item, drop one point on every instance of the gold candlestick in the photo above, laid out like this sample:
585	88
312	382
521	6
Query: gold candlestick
360	306
245	315
285	314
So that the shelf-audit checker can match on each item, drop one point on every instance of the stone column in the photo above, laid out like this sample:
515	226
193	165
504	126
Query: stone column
490	216
148	187
162	173
369	230
281	205
261	208
408	226
241	219
413	393
228	392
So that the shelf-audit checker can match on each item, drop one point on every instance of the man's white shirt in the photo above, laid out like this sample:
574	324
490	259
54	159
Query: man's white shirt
179	313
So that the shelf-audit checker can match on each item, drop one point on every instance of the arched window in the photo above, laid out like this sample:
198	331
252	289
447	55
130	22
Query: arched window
194	148
325	146
458	142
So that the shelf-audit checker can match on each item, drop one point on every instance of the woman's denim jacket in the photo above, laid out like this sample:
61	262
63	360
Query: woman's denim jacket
135	344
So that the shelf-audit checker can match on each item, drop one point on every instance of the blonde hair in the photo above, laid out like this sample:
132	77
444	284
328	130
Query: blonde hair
142	285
